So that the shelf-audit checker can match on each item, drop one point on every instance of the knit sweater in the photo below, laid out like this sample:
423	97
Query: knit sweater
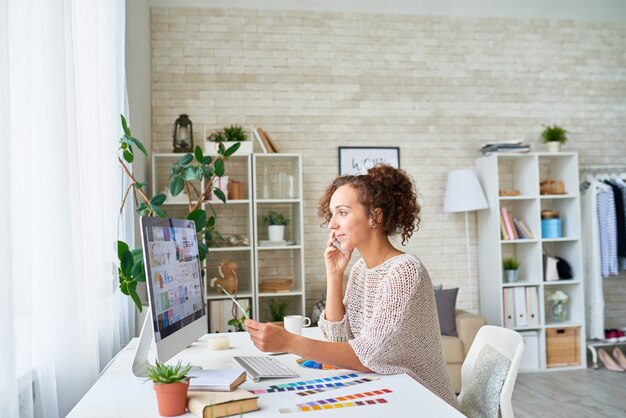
391	323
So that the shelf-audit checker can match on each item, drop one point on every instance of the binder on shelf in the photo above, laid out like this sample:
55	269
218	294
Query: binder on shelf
222	311
509	308
526	229
521	317
532	306
518	227
512	223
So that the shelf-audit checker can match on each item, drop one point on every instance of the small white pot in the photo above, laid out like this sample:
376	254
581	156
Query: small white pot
276	232
244	149
553	146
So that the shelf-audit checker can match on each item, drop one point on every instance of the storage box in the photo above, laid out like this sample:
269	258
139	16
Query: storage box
530	358
563	346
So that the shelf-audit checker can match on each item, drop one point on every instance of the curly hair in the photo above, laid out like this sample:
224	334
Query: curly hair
384	187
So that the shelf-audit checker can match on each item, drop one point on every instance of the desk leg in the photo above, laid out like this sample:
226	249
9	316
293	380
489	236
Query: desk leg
594	356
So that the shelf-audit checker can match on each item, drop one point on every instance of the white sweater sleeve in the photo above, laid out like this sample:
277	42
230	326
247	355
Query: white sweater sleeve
336	332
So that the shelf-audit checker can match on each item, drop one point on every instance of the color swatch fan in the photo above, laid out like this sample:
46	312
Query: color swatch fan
314	364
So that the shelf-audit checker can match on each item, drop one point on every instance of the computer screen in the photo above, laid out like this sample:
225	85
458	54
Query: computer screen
174	279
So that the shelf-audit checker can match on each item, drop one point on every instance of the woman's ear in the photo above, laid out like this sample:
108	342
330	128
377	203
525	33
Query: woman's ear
377	217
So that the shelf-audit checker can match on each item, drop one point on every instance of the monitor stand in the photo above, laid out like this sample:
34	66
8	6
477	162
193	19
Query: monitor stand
141	363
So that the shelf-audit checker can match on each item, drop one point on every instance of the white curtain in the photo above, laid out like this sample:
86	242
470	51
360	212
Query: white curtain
61	92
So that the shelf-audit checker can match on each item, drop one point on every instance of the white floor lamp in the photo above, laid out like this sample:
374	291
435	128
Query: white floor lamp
464	194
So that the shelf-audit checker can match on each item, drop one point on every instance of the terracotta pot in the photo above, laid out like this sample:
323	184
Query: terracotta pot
172	398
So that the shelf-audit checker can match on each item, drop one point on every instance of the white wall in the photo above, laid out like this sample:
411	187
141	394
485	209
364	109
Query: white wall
437	86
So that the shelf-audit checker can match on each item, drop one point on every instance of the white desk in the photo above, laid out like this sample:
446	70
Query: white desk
117	393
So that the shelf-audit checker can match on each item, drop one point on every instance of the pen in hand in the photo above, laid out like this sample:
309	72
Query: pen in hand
243	311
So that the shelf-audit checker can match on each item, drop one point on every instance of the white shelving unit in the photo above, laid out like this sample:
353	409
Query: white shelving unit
271	182
523	172
234	221
277	186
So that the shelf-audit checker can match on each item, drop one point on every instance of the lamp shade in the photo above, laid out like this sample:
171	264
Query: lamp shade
463	192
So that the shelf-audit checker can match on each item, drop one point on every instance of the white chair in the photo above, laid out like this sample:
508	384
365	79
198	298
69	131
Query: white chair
505	341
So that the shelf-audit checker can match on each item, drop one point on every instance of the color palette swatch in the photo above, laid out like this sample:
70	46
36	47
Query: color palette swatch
311	364
313	391
346	401
325	382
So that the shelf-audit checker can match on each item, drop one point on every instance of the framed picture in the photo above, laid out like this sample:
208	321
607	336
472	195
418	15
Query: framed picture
356	160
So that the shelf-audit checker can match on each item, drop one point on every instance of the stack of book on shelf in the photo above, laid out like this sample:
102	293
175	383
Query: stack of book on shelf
511	227
521	307
265	142
505	147
275	285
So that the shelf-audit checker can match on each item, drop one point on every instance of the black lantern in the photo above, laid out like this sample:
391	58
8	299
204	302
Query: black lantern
182	135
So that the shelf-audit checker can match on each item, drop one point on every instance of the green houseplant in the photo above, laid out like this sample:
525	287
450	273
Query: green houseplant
278	309
189	169
233	134
510	266
171	384
554	136
276	223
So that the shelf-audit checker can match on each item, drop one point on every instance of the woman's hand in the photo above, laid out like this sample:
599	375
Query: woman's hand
268	337
336	261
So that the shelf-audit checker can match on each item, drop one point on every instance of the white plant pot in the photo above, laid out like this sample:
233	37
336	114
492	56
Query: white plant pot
276	232
245	148
553	146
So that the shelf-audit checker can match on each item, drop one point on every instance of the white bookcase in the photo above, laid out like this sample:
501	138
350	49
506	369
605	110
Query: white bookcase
271	182
277	187
523	172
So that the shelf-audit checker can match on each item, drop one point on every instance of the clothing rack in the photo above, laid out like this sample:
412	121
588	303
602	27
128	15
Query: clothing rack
593	167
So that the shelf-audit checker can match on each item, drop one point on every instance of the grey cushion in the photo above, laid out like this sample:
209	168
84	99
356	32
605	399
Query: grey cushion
446	306
482	397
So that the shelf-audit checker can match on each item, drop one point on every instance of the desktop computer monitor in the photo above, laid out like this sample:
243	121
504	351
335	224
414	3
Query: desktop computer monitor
174	282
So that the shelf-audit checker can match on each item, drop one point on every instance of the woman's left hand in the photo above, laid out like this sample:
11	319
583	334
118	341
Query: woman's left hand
268	337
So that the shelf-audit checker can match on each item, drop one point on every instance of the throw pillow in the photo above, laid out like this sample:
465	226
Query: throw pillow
482	398
446	305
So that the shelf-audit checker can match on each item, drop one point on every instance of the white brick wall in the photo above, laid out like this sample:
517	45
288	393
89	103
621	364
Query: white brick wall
437	87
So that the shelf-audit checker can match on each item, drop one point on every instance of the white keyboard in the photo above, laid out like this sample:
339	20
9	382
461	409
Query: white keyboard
261	367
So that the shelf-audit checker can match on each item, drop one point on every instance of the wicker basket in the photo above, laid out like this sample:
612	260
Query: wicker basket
563	346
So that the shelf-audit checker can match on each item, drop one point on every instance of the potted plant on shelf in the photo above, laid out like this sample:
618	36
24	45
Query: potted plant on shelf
511	266
278	309
276	223
229	136
553	136
170	384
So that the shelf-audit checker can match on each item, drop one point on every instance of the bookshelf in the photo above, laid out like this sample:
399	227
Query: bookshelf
523	173
277	186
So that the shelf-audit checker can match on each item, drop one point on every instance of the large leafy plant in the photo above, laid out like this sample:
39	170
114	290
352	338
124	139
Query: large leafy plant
189	169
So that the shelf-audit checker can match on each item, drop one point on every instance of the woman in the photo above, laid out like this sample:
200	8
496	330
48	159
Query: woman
387	322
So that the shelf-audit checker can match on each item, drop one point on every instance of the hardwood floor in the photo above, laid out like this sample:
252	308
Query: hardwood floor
574	393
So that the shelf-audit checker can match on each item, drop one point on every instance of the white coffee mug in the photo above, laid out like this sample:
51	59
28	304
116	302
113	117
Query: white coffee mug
294	323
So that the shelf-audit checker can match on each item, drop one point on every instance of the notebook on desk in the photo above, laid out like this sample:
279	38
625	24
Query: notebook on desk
218	380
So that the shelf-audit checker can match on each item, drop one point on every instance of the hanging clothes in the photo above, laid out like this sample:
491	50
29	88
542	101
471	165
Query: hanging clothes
594	295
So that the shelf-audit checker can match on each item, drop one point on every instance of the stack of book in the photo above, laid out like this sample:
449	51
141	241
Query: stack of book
511	227
265	142
505	147
276	285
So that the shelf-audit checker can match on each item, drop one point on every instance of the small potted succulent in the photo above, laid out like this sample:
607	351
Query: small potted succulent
229	136
278	310
276	223
510	266
170	384
553	136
